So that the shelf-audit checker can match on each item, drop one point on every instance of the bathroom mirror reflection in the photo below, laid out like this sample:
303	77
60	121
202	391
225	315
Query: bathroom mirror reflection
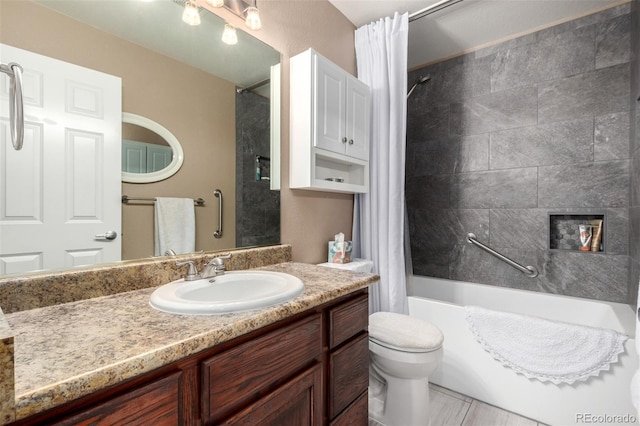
150	152
184	79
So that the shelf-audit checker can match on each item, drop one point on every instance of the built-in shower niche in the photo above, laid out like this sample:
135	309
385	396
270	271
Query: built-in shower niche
564	231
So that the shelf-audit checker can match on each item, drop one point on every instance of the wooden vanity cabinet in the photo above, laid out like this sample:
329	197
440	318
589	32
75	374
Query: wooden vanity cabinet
244	373
310	369
348	362
334	342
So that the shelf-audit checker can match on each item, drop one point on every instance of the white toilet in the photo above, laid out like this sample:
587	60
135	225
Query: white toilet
403	352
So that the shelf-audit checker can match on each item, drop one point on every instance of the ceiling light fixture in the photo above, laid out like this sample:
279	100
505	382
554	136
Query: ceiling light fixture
229	35
216	3
252	19
191	14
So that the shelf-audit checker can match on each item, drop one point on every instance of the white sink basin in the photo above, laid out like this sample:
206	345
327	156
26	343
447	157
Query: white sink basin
232	292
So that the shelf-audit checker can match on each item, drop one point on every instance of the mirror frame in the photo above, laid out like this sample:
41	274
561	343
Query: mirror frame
178	153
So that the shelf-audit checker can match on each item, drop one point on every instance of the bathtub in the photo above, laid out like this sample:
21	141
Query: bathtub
468	369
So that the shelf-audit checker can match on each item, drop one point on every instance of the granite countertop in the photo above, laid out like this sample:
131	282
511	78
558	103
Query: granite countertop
66	351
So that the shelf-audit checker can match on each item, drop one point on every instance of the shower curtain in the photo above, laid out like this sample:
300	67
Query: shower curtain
379	218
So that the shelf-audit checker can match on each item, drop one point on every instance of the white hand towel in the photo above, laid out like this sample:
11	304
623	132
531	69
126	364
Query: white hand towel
175	225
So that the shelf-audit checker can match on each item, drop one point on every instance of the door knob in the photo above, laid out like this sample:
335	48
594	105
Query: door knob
109	235
350	141
344	139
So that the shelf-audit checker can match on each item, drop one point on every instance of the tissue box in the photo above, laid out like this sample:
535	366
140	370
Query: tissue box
339	251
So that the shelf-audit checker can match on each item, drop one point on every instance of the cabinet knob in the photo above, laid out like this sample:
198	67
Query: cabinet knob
344	139
350	141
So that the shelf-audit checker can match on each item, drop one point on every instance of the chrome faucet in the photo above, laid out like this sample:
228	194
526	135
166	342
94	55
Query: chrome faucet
215	267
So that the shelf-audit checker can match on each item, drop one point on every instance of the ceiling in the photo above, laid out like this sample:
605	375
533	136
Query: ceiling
157	25
468	24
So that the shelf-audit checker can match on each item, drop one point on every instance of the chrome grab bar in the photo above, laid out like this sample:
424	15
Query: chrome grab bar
16	107
218	232
529	271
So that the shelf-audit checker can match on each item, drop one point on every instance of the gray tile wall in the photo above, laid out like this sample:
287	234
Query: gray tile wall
257	207
503	137
634	149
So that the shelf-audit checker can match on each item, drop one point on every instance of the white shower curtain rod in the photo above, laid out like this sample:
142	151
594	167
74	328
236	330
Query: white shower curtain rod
432	9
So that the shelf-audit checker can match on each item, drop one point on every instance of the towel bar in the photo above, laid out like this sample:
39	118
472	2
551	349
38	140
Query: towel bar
126	199
529	271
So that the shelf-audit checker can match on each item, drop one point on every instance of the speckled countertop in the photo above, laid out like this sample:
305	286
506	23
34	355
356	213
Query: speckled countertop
65	351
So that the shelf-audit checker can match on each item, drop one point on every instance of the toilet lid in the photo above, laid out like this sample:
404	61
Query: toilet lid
404	332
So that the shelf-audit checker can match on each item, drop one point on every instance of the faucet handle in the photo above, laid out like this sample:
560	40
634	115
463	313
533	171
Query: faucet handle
192	273
218	262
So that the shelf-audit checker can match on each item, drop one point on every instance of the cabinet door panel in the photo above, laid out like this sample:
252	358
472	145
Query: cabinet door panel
358	119
238	376
298	402
356	414
348	374
153	404
330	103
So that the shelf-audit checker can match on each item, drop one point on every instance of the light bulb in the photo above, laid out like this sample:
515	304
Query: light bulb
216	3
253	18
229	35
191	15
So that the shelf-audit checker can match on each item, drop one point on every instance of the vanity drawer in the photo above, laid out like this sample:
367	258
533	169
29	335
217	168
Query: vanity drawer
348	374
347	320
242	374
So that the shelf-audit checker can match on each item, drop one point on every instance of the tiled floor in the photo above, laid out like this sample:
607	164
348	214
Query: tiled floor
450	408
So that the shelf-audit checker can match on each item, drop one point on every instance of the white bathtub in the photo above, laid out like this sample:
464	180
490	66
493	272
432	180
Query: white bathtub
468	369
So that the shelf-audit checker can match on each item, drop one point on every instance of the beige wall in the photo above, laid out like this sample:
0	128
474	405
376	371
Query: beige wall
199	109
308	219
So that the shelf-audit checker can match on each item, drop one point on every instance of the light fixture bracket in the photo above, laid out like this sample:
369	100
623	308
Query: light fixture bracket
247	11
237	7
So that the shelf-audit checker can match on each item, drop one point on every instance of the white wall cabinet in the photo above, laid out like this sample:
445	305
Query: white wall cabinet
142	157
330	126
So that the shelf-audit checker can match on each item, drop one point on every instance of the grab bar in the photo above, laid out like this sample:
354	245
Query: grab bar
218	232
16	107
529	271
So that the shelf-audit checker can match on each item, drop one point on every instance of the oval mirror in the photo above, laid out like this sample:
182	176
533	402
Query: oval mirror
150	152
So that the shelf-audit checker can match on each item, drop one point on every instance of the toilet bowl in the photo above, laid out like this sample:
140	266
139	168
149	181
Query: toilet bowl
404	352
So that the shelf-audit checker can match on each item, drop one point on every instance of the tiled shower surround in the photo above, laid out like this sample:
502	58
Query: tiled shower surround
503	137
257	207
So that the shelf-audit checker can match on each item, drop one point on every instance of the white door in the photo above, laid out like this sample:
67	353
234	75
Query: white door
62	190
358	113
329	114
